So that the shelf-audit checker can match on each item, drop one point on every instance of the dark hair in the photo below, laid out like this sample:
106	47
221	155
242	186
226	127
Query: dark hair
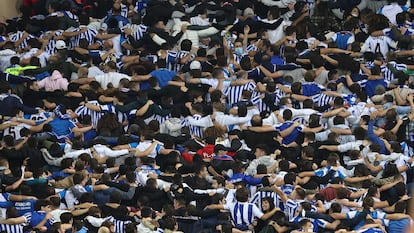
289	178
287	115
270	201
41	203
66	217
146	212
242	194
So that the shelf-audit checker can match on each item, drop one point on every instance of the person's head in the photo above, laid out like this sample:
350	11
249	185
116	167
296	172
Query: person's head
170	223
77	178
359	133
341	193
287	115
332	160
285	101
201	171
290	178
217	182
107	227
267	204
261	150
361	96
298	193
242	194
151	183
186	45
373	191
256	120
401	207
368	203
146	212
284	165
296	88
5	88
400	189
308	152
179	202
11	212
335	208
115	197
219	107
218	73
43	205
66	218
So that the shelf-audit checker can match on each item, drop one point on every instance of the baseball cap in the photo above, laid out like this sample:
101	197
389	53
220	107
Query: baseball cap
195	65
60	44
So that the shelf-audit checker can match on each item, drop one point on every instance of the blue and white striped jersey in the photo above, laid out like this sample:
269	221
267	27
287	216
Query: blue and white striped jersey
119	225
197	124
177	65
95	116
171	59
90	35
17	36
11	228
243	213
259	195
387	73
50	47
234	93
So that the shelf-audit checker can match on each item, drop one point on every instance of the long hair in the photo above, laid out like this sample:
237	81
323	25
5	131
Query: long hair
108	121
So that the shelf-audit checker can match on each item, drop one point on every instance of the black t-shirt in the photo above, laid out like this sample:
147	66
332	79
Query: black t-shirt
120	212
401	133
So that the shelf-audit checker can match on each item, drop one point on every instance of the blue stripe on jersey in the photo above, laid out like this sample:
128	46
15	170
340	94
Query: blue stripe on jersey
171	59
236	210
241	207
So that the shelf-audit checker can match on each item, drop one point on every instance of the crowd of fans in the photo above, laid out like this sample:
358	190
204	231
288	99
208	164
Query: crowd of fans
207	116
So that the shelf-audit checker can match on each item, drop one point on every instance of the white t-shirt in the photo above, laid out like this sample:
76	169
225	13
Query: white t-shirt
15	130
111	77
142	146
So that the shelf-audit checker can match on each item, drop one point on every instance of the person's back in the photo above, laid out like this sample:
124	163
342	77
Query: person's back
390	11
